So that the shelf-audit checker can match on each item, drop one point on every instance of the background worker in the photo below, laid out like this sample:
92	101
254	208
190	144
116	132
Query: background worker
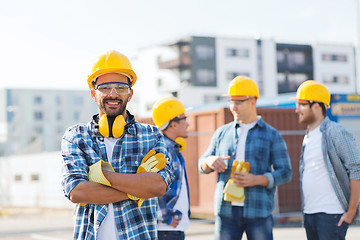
105	211
251	139
329	167
169	116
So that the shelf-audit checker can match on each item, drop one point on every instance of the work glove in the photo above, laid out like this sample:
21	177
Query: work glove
232	192
96	174
152	162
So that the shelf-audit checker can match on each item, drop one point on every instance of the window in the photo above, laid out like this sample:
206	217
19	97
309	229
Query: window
38	115
38	100
335	79
204	52
211	98
58	116
185	76
60	130
58	100
205	77
289	82
38	130
280	56
78	101
76	116
329	57
231	75
17	178
159	82
34	177
233	52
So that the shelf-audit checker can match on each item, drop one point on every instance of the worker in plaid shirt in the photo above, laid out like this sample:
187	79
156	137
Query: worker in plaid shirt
114	167
250	139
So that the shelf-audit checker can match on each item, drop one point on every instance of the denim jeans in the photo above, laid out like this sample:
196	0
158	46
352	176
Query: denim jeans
322	226
171	235
232	228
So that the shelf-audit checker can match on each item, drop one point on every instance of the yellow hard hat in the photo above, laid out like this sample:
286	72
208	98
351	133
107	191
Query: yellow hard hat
112	62
166	109
243	86
313	91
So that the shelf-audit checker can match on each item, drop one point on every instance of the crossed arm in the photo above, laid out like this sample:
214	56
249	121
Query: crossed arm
144	185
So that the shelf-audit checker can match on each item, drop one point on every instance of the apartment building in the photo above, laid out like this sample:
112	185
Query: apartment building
198	70
34	120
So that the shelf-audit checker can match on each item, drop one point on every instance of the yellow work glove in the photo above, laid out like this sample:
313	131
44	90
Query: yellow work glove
150	163
233	193
96	174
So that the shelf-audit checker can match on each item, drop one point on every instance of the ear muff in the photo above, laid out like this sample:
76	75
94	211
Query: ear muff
118	126
181	142
112	126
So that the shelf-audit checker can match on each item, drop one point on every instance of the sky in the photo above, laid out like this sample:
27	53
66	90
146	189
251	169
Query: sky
53	43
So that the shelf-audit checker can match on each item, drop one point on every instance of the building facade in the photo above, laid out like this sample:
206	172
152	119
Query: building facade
198	70
34	120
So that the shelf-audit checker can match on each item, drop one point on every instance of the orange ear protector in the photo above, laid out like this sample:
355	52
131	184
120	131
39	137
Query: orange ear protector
111	126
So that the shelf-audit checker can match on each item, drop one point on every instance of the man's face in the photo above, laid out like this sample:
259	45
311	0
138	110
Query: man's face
240	107
181	126
305	112
111	102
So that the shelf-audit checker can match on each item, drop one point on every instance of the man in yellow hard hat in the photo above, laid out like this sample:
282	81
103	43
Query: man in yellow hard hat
114	167
244	197
174	208
329	167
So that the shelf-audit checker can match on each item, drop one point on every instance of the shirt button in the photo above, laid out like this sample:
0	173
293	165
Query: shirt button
136	162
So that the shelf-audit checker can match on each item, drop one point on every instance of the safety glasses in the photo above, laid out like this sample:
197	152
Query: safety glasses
119	87
238	101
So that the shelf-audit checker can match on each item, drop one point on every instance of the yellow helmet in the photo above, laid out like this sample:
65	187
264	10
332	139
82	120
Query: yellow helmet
313	91
166	109
112	62
243	86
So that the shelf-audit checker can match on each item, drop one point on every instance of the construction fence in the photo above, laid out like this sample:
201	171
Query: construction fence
202	126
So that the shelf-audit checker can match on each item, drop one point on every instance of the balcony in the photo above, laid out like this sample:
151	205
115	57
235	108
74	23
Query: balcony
184	61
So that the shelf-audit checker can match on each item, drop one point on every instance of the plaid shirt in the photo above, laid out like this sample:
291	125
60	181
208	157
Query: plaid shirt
168	201
267	154
82	147
342	160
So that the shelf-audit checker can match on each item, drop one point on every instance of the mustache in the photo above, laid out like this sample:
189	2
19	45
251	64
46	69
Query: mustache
112	99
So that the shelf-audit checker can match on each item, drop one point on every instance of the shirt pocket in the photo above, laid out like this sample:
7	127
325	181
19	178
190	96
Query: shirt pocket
129	164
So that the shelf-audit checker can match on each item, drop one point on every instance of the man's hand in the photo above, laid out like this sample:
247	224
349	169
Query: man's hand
215	163
174	222
346	217
150	163
233	192
245	179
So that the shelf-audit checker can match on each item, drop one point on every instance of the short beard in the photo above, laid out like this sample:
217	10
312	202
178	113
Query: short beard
121	111
308	119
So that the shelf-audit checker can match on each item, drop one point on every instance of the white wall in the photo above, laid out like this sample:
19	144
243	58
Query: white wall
270	85
146	89
323	68
46	192
225	64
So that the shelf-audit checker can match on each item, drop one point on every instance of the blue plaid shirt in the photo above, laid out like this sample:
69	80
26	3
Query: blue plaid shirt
82	147
342	160
267	154
168	201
